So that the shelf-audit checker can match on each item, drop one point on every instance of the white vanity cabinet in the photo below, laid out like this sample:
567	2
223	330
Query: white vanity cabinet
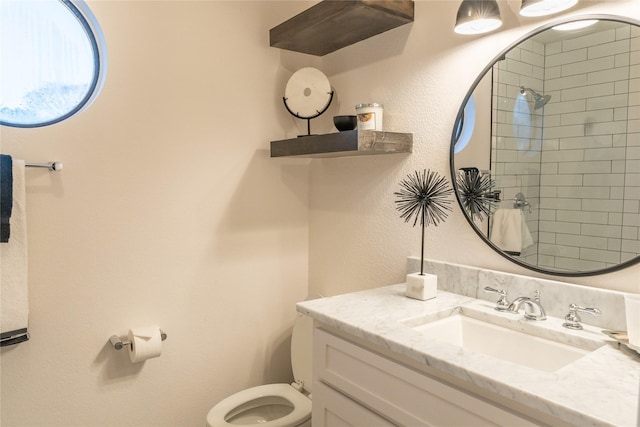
357	386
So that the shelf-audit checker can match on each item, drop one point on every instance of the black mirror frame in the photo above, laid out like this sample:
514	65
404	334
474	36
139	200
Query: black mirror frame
459	115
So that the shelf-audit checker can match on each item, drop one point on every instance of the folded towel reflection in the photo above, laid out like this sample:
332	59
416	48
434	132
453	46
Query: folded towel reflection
14	296
509	231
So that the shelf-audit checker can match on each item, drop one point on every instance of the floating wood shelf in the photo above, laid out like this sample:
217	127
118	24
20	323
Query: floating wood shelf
342	144
331	24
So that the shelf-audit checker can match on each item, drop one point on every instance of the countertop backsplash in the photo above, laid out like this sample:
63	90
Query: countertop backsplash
555	296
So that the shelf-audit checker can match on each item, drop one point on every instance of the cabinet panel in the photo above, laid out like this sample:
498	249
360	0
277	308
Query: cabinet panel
332	409
406	396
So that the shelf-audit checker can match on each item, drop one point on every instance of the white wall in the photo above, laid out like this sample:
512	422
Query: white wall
169	211
421	73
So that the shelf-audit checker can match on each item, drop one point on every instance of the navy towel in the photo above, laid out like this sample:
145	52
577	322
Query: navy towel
6	196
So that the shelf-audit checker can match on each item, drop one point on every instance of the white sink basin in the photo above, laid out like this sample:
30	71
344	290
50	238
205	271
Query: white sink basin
502	343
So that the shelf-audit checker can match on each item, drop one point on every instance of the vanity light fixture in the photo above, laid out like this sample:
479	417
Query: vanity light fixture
575	25
532	8
477	17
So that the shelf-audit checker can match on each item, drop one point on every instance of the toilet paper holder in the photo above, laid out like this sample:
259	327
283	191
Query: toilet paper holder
118	344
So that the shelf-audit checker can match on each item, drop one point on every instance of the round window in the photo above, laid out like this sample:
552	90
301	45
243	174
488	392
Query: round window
52	61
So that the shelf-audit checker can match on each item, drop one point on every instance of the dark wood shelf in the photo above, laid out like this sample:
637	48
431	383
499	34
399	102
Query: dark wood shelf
342	144
333	24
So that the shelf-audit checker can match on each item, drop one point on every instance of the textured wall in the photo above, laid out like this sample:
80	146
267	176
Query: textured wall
169	211
421	73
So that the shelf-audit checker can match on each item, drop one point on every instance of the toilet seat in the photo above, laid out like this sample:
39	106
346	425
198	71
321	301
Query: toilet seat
264	395
274	405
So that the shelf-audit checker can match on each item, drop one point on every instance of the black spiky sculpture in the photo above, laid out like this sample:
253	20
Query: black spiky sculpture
424	196
474	190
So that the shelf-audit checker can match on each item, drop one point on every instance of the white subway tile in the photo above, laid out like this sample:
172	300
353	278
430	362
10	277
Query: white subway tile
633	152
617	166
601	37
626	256
548	192
602	205
614	244
615	218
587	66
549	238
538	47
591	141
621	113
605	154
617	193
631	220
584	117
631	206
607	49
575	80
630	233
578	265
564	58
549	168
612	101
519	67
560	203
584	192
565	131
583	217
596	230
611	180
553	48
559	107
621	60
563	156
606	128
581	241
557	250
623	32
612	257
584	167
622	87
631	246
552	72
608	75
589	92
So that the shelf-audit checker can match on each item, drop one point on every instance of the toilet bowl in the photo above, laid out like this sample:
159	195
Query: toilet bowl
274	405
277	405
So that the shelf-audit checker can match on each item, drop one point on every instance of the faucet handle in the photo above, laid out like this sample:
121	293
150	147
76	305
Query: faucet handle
573	319
502	304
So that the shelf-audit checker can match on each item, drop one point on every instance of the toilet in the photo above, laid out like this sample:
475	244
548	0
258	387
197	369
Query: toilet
274	405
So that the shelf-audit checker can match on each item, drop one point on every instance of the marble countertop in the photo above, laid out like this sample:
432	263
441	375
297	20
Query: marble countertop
599	389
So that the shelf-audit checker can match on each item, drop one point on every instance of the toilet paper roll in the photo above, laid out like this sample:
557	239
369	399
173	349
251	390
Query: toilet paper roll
146	343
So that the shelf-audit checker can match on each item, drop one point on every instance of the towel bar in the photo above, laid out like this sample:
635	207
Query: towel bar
118	344
520	201
53	166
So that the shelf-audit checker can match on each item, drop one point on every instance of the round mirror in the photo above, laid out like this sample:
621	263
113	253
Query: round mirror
549	174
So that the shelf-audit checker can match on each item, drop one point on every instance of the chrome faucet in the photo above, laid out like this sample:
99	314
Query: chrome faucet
533	309
503	303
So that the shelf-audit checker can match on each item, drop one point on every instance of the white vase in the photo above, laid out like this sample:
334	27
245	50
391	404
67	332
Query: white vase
421	286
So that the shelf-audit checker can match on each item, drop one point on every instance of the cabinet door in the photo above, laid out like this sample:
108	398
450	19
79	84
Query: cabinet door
402	394
333	409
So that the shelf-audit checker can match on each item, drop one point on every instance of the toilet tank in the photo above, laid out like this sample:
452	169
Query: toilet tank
302	349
